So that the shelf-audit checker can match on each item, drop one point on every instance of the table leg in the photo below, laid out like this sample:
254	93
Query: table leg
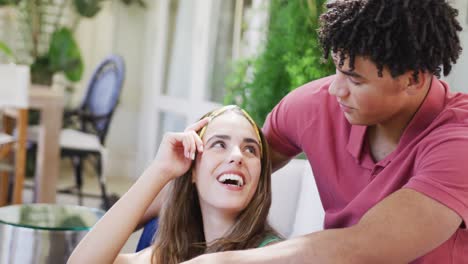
48	154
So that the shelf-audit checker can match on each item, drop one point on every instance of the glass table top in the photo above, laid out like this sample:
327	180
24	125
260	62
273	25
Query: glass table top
50	216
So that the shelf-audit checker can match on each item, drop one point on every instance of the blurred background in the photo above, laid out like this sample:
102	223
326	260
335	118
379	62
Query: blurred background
183	58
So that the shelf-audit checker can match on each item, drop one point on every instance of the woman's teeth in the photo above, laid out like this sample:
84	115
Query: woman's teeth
232	179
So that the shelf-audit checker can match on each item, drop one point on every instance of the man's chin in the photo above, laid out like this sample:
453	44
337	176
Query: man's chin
356	122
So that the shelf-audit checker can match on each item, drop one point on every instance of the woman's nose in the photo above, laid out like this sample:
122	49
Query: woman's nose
235	156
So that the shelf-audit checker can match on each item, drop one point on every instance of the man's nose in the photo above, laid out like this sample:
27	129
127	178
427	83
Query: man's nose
339	86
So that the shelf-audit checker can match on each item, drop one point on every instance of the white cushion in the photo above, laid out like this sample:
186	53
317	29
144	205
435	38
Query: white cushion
296	208
71	139
286	184
75	139
5	138
309	212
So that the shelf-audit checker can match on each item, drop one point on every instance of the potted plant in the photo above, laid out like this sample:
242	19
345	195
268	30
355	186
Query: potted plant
48	43
291	58
47	28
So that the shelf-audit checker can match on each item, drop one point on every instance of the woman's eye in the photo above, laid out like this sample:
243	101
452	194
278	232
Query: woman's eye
218	144
251	149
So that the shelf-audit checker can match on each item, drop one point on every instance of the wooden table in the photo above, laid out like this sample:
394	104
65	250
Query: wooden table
50	103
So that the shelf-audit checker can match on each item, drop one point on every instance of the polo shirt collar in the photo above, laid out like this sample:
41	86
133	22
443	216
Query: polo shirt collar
356	140
433	104
430	108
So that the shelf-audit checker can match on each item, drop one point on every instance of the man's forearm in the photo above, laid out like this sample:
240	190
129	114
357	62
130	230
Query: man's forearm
331	246
399	229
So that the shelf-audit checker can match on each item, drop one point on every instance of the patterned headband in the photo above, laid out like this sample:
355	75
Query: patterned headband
223	109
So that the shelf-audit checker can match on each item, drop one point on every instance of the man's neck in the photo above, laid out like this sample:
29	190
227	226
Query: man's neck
384	138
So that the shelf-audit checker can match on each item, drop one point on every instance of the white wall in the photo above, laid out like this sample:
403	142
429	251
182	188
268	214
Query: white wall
117	29
458	78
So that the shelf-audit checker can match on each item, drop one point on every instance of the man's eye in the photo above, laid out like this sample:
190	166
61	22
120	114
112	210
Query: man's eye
353	81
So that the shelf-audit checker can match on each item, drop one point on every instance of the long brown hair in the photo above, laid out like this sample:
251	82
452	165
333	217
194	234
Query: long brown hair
180	235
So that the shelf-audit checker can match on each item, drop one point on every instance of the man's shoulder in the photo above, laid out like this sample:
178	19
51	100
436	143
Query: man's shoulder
314	86
310	95
457	107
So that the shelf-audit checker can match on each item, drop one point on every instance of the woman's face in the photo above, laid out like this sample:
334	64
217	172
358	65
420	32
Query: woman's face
227	172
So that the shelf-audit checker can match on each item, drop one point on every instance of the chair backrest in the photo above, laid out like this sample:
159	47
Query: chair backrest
103	94
14	85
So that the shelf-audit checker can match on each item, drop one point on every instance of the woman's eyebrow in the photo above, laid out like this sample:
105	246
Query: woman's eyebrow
225	137
251	140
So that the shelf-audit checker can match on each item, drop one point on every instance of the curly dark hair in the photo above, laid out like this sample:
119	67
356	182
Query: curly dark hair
402	35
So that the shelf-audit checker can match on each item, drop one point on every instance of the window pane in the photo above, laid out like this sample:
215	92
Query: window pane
170	122
222	50
179	49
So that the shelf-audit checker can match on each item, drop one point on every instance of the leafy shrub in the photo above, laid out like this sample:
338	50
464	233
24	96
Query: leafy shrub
291	58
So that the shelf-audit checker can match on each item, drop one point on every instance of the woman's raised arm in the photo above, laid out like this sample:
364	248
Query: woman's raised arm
105	240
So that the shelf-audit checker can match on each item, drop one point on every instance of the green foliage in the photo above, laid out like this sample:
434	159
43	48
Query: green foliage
87	8
237	80
49	40
9	2
292	57
7	51
138	2
65	55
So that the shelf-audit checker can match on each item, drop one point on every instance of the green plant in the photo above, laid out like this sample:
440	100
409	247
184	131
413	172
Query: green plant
47	43
9	2
7	51
291	58
47	28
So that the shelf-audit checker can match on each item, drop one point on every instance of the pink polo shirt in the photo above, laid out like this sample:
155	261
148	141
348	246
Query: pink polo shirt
431	157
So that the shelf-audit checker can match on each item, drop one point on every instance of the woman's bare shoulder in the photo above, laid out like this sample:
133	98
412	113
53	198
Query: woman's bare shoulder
143	257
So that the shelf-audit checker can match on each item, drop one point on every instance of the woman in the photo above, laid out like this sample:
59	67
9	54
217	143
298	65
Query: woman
219	197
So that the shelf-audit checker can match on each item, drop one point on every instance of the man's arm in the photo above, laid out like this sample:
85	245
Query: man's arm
399	229
278	160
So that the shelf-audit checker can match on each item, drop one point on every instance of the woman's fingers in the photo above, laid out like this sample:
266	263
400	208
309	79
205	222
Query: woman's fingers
198	125
191	142
192	147
198	141
186	142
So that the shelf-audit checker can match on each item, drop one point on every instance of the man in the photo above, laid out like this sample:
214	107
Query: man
386	139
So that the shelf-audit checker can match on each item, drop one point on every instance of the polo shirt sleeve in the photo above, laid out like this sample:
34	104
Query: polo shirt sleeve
442	169
281	130
296	115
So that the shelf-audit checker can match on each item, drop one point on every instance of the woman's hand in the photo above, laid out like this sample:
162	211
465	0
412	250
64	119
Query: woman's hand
177	150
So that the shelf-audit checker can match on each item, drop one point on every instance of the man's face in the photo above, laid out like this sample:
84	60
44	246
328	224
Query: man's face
364	97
